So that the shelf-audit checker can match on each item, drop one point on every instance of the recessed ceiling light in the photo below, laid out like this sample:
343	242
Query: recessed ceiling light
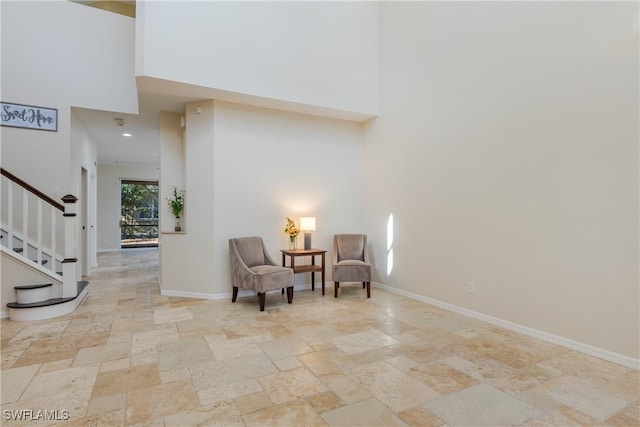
126	134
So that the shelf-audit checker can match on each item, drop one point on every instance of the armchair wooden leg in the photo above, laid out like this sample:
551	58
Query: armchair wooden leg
235	294
368	289
364	284
335	289
290	294
262	300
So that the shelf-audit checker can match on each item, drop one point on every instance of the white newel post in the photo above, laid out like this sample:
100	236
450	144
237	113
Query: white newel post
69	269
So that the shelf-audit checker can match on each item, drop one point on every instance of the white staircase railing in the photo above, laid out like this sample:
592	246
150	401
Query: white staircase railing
37	227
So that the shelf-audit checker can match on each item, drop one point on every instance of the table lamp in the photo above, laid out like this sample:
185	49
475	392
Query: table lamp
307	224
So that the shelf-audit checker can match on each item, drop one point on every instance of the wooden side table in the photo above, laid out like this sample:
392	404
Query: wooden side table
306	268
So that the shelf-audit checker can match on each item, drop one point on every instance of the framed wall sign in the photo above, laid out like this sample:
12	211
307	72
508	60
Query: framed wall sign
28	117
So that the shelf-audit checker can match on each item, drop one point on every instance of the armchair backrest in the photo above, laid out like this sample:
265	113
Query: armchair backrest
350	246
250	250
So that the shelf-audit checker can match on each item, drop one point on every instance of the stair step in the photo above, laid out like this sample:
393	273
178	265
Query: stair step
45	303
51	301
29	294
41	285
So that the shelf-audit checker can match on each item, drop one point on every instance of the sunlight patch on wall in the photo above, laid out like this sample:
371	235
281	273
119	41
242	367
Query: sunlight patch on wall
389	244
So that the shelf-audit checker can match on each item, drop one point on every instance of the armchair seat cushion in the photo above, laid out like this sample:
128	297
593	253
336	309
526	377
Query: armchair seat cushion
271	277
352	262
352	271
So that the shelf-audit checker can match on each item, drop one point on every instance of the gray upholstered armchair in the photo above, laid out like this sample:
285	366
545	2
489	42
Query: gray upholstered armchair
351	261
253	268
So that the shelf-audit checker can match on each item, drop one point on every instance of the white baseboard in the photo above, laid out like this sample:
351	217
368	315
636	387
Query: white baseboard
600	353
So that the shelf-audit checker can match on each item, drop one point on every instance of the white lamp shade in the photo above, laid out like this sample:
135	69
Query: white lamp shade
308	223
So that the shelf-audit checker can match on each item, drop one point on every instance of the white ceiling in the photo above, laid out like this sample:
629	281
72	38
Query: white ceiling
143	147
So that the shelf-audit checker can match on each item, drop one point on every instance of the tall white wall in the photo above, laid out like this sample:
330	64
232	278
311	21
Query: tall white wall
269	165
59	55
247	169
312	53
507	151
108	188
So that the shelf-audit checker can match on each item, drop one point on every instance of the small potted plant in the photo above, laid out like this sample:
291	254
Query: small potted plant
176	204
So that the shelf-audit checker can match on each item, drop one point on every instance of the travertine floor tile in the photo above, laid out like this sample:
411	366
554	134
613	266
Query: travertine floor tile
346	388
40	331
14	381
55	365
325	401
363	341
112	402
586	368
366	413
152	402
392	387
441	378
126	380
291	385
223	415
130	356
227	371
283	348
168	315
585	398
297	413
111	418
74	383
420	417
626	386
228	349
325	361
183	353
482	405
627	417
253	402
102	353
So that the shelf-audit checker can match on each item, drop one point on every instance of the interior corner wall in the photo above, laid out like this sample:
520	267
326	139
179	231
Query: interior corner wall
248	168
507	152
269	165
108	204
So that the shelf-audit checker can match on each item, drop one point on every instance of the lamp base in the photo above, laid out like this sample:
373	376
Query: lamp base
307	240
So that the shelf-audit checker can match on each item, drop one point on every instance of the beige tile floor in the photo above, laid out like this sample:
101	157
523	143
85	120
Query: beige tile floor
129	356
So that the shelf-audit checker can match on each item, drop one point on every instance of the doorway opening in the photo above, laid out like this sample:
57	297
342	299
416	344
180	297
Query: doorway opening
138	214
